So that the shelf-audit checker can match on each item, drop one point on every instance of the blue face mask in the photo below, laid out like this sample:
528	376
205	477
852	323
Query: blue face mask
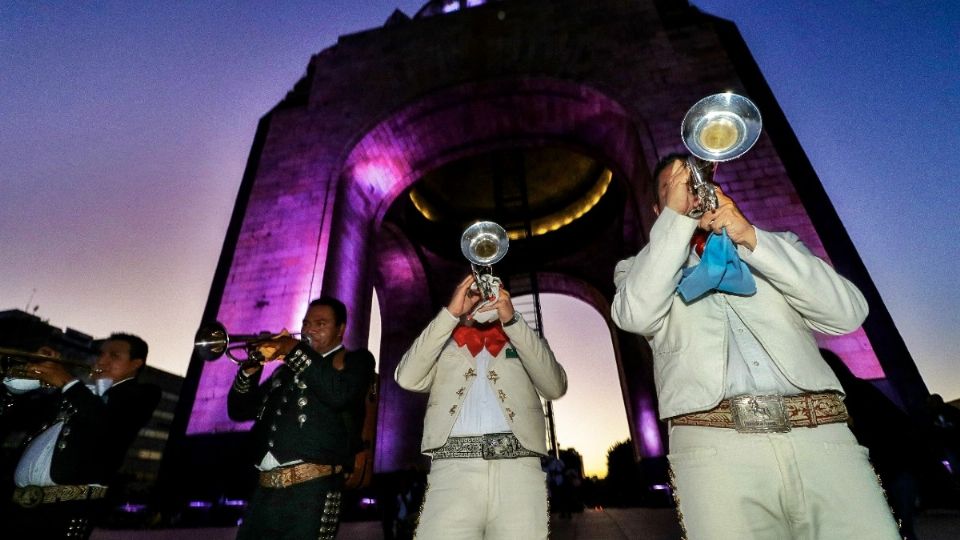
20	386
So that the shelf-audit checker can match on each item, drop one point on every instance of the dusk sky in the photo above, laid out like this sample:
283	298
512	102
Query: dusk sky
126	128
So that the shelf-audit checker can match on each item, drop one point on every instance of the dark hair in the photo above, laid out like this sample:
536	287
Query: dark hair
661	165
339	310
138	347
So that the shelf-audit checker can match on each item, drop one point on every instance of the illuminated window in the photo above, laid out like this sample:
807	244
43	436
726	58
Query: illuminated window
442	7
149	455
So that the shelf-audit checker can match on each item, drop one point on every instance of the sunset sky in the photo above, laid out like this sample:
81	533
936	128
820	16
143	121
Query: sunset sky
126	127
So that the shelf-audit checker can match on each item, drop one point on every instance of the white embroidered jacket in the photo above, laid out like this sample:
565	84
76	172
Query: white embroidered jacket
797	293
524	368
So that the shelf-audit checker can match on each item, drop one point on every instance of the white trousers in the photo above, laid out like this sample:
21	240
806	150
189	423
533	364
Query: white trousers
473	499
810	483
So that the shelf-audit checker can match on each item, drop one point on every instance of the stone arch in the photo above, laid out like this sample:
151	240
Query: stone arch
395	153
439	128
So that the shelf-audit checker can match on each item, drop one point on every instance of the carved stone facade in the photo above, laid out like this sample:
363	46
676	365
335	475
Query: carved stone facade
609	79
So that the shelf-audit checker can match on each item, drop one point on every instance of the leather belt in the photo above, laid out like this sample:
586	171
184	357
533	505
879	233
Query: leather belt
769	413
488	446
32	496
282	477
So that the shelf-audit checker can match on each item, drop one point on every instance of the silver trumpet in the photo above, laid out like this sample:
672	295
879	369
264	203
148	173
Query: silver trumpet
483	244
15	363
213	341
20	375
720	127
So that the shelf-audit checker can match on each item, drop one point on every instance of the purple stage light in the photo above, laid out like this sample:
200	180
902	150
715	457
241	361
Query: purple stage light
200	504
131	508
650	431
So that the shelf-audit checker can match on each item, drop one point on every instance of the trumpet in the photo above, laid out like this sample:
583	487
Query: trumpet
483	244
15	364
212	341
718	128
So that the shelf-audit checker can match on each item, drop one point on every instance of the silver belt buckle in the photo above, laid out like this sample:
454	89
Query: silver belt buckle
500	446
28	497
275	478
759	414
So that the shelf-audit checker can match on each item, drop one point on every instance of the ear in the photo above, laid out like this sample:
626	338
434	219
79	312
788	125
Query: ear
139	362
340	330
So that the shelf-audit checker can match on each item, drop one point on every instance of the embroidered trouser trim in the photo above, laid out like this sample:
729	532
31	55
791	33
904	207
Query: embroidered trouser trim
308	510
808	483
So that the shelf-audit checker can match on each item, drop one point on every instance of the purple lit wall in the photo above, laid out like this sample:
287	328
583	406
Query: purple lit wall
384	107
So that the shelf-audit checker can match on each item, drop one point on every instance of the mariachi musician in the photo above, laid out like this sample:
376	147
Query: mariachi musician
63	474
486	372
308	416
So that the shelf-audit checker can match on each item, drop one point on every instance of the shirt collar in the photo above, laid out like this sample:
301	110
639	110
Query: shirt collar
333	350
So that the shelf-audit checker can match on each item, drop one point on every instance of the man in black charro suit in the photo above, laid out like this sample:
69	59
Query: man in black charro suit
63	474
308	416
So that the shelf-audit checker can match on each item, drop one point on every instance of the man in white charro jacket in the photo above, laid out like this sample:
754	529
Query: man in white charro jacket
759	447
484	426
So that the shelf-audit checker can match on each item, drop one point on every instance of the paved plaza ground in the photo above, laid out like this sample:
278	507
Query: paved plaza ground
592	524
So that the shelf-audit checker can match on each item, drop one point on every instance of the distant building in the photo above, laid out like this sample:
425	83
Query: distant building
140	469
25	332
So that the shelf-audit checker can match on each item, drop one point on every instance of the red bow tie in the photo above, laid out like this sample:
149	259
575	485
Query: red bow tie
477	336
699	240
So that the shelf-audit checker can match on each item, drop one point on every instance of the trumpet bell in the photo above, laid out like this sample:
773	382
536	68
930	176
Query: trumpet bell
721	127
211	341
484	243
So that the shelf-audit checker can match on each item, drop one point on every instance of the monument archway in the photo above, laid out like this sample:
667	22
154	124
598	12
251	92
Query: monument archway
378	223
346	171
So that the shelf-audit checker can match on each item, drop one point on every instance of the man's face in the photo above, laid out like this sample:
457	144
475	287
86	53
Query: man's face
675	170
114	361
321	330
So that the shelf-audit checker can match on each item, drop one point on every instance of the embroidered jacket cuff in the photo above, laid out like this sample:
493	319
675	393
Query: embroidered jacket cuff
297	360
243	383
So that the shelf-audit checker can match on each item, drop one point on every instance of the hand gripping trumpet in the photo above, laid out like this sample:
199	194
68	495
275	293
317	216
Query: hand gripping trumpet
483	244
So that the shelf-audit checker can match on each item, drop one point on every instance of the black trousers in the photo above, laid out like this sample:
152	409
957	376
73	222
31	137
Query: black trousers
309	510
72	519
